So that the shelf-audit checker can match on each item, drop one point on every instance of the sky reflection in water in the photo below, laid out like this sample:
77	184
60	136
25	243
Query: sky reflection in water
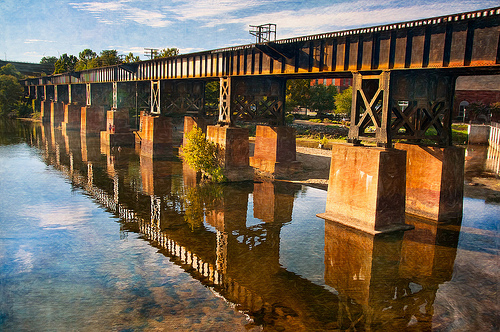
68	263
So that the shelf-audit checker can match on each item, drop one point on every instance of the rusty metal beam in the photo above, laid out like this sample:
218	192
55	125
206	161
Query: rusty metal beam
466	41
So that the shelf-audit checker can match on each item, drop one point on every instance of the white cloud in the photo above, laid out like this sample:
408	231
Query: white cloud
31	41
187	50
102	11
293	23
195	9
62	217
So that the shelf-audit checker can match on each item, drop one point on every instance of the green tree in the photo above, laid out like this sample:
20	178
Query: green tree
11	93
86	60
109	58
212	95
298	93
48	60
10	69
343	102
167	52
130	58
65	63
322	98
202	155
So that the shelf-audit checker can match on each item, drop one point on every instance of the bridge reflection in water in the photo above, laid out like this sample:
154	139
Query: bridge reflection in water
381	282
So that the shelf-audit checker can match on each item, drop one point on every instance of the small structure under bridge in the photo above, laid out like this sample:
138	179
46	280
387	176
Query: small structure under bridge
403	87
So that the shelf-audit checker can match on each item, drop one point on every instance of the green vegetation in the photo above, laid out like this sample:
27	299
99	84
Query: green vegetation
48	59
11	93
322	98
167	52
460	134
130	58
318	97
88	59
203	155
65	64
343	101
212	97
480	112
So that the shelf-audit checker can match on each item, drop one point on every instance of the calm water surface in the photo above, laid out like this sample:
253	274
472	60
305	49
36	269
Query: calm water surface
94	239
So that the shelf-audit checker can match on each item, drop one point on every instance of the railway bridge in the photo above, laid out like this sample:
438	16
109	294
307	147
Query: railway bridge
403	88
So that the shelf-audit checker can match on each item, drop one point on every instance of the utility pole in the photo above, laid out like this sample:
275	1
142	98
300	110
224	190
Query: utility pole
150	52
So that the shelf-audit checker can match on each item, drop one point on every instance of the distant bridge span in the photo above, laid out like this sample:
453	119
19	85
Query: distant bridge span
412	63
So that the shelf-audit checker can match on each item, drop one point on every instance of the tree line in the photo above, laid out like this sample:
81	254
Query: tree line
320	98
88	59
12	100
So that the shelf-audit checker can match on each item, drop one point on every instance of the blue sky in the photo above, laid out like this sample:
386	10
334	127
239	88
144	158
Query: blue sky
31	29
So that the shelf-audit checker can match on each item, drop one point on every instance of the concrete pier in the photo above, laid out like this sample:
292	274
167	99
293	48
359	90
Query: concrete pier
56	113
191	122
434	181
93	120
234	151
72	117
366	188
275	151
155	136
45	106
117	131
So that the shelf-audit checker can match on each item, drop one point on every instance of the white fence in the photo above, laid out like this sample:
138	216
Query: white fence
494	139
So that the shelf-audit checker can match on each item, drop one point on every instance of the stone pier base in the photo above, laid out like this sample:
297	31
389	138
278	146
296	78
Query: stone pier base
366	188
234	146
56	113
275	151
191	122
72	117
117	129
93	120
155	136
45	106
434	181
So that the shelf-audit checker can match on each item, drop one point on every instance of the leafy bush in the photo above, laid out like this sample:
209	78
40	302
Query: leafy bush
202	155
315	120
289	118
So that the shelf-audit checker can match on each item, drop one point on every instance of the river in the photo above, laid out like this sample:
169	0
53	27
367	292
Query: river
99	239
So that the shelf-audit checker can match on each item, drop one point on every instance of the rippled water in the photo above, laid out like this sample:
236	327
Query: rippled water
97	240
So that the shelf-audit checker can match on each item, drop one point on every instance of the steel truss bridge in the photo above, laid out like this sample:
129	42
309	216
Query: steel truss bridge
403	75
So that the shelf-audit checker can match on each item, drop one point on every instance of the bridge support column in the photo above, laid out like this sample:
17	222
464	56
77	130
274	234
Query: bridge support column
72	117
56	113
155	136
434	181
366	188
275	151
191	122
234	150
93	120
45	106
117	131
